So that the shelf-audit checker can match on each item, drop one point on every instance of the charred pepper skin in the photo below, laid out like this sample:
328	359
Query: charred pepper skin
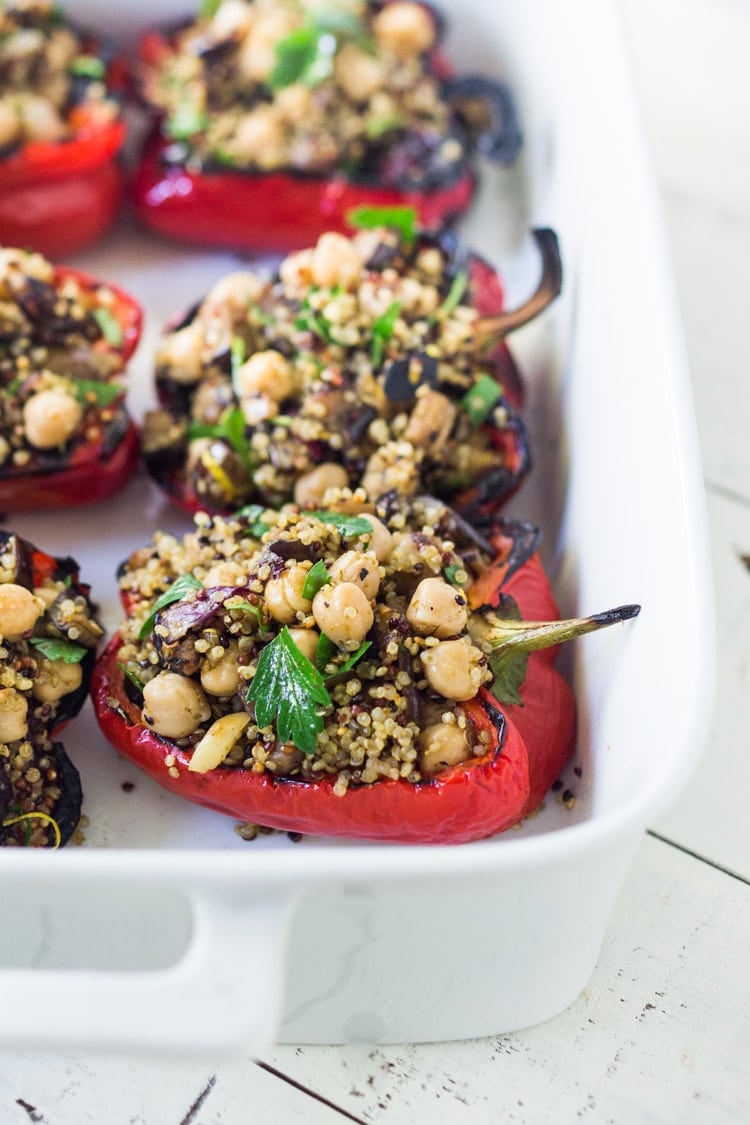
528	747
100	466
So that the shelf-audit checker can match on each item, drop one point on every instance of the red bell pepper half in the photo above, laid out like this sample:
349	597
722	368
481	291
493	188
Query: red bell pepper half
32	568
208	203
101	463
529	743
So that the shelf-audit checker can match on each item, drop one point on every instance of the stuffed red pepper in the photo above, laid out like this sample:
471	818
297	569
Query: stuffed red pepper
65	435
61	130
375	361
275	120
360	672
48	638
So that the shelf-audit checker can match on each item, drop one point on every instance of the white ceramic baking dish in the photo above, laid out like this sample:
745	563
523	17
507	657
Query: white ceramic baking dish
167	931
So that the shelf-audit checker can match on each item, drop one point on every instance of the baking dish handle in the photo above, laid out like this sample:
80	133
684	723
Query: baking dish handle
223	996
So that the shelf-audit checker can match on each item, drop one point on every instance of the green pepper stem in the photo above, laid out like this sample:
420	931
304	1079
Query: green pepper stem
530	636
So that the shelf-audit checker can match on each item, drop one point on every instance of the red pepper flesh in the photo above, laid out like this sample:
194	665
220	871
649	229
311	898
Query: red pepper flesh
470	801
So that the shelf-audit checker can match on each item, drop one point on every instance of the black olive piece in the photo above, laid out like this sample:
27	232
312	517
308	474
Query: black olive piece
359	423
291	549
403	376
488	111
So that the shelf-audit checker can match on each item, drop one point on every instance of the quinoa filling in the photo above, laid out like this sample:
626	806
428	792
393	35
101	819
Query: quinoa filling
48	634
311	88
361	363
306	644
58	355
52	78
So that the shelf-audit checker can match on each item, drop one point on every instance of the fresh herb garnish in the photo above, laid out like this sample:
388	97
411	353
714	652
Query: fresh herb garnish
458	287
237	353
325	651
87	66
308	320
103	394
382	330
402	219
209	8
243	606
451	573
288	691
317	578
231	429
53	648
184	123
376	127
174	593
307	53
252	513
136	681
348	527
353	659
481	398
109	326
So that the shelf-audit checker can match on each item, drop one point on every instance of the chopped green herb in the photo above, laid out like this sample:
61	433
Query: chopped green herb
382	330
230	428
353	659
259	313
104	394
402	219
458	287
481	397
308	320
14	385
237	353
136	681
325	651
252	513
317	577
348	527
88	66
55	649
184	123
288	691
307	53
174	593
377	127
209	8
451	573
110	327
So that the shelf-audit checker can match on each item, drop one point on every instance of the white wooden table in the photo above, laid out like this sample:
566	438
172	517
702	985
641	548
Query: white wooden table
663	1030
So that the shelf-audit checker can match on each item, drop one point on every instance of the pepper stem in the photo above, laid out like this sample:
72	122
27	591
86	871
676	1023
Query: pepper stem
490	329
530	636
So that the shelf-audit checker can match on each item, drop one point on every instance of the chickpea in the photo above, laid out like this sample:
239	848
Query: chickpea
265	373
258	409
306	641
344	614
222	677
181	353
295	273
50	418
19	611
454	669
358	73
226	573
40	120
359	568
173	705
14	710
260	136
431	421
437	609
404	29
311	488
9	123
230	18
440	746
283	595
381	540
335	261
235	290
54	679
294	103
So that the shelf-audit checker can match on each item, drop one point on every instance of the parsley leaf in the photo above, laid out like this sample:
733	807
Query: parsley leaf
458	287
307	53
109	326
348	527
382	330
104	394
402	219
174	593
353	659
87	66
56	649
288	691
450	573
231	429
481	398
325	651
308	320
136	681
317	578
